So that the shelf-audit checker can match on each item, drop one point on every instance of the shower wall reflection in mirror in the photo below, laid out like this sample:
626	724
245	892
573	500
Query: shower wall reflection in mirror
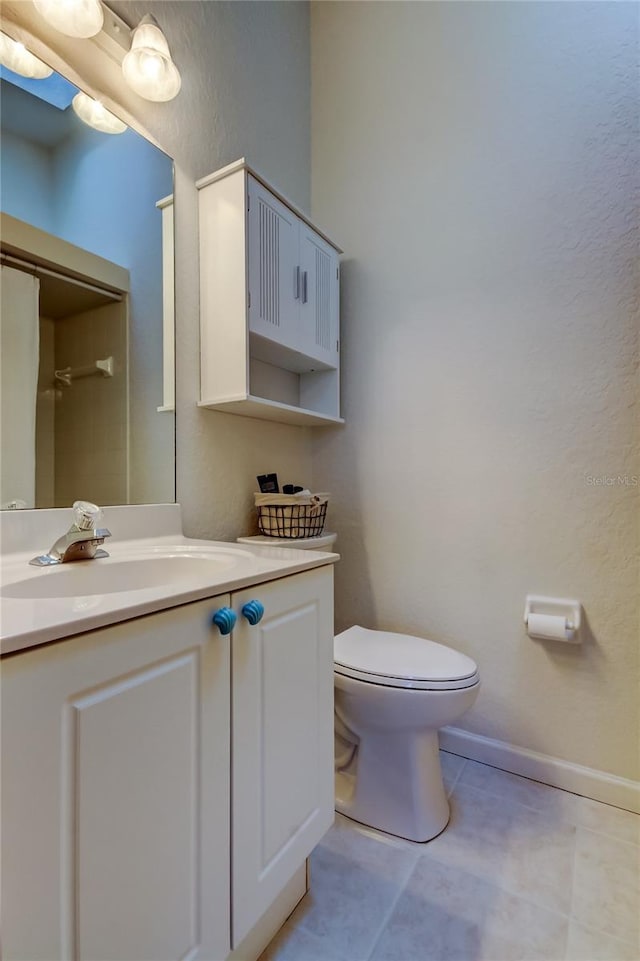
86	321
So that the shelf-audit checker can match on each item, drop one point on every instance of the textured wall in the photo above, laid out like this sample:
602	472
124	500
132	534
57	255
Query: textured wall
245	69
477	163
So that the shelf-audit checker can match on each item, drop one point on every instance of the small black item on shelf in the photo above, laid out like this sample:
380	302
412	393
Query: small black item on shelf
268	483
291	489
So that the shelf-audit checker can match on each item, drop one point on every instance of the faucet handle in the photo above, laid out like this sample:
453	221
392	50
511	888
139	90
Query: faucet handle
86	515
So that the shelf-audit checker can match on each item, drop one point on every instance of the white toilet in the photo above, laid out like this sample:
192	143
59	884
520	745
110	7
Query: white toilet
392	694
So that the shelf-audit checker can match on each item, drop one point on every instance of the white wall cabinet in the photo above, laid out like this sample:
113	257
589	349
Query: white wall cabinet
293	277
269	304
118	751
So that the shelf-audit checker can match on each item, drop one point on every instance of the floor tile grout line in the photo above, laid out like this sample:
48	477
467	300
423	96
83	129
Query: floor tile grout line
370	834
573	891
503	796
504	888
543	813
317	937
422	850
456	778
614	937
543	784
612	837
401	889
303	927
483	880
501	886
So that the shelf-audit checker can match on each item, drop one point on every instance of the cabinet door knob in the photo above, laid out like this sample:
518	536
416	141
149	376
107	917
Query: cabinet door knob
224	619
253	611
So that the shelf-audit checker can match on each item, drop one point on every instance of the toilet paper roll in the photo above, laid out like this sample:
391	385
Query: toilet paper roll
549	626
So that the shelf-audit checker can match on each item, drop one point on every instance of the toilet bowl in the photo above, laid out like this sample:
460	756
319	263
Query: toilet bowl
392	694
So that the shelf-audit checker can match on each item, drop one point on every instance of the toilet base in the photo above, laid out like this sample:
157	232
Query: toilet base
394	783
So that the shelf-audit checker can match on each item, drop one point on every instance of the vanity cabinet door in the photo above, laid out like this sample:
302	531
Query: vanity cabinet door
282	737
115	793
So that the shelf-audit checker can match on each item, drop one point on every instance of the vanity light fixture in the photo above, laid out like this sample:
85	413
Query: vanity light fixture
16	57
75	18
148	67
93	113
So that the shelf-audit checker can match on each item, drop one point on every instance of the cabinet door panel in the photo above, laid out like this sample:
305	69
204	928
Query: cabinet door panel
319	297
284	656
136	813
273	259
115	822
282	748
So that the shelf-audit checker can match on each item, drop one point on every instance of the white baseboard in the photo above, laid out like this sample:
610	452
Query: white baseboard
599	785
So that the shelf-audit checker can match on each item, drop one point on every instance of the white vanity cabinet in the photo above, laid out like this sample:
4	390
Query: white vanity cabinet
269	304
119	750
115	793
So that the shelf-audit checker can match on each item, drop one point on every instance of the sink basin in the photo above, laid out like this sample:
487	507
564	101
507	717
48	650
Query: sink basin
153	568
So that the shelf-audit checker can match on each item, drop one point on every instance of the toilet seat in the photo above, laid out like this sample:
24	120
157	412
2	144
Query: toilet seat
401	660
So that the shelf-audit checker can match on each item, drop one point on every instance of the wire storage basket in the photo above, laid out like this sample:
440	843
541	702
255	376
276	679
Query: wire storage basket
291	515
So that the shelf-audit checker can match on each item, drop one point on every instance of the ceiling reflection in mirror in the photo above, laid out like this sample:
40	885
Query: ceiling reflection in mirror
86	319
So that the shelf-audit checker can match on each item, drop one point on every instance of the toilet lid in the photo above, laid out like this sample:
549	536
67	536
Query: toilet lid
401	660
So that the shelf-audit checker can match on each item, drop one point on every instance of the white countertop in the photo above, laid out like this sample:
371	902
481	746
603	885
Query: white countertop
28	621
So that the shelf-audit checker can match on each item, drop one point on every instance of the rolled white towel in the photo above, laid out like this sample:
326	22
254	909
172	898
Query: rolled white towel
304	498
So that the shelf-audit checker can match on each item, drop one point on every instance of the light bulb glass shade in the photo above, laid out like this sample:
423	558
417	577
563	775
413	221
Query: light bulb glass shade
16	57
95	115
148	67
75	18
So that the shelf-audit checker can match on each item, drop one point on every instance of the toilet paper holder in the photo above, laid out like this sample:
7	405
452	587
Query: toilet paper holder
560	618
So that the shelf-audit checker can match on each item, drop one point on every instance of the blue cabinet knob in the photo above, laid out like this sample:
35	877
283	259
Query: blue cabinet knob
253	611
224	619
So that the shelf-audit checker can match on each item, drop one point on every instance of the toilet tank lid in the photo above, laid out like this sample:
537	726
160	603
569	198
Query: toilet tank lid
400	655
318	542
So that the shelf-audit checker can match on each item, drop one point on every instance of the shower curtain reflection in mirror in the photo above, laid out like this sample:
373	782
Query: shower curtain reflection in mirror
19	361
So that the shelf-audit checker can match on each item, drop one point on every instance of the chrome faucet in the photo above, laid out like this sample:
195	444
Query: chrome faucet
82	540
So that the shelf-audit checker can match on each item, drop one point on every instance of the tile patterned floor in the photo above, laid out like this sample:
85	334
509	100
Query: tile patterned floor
523	872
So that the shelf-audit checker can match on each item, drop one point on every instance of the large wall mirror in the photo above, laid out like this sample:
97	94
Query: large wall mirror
86	319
